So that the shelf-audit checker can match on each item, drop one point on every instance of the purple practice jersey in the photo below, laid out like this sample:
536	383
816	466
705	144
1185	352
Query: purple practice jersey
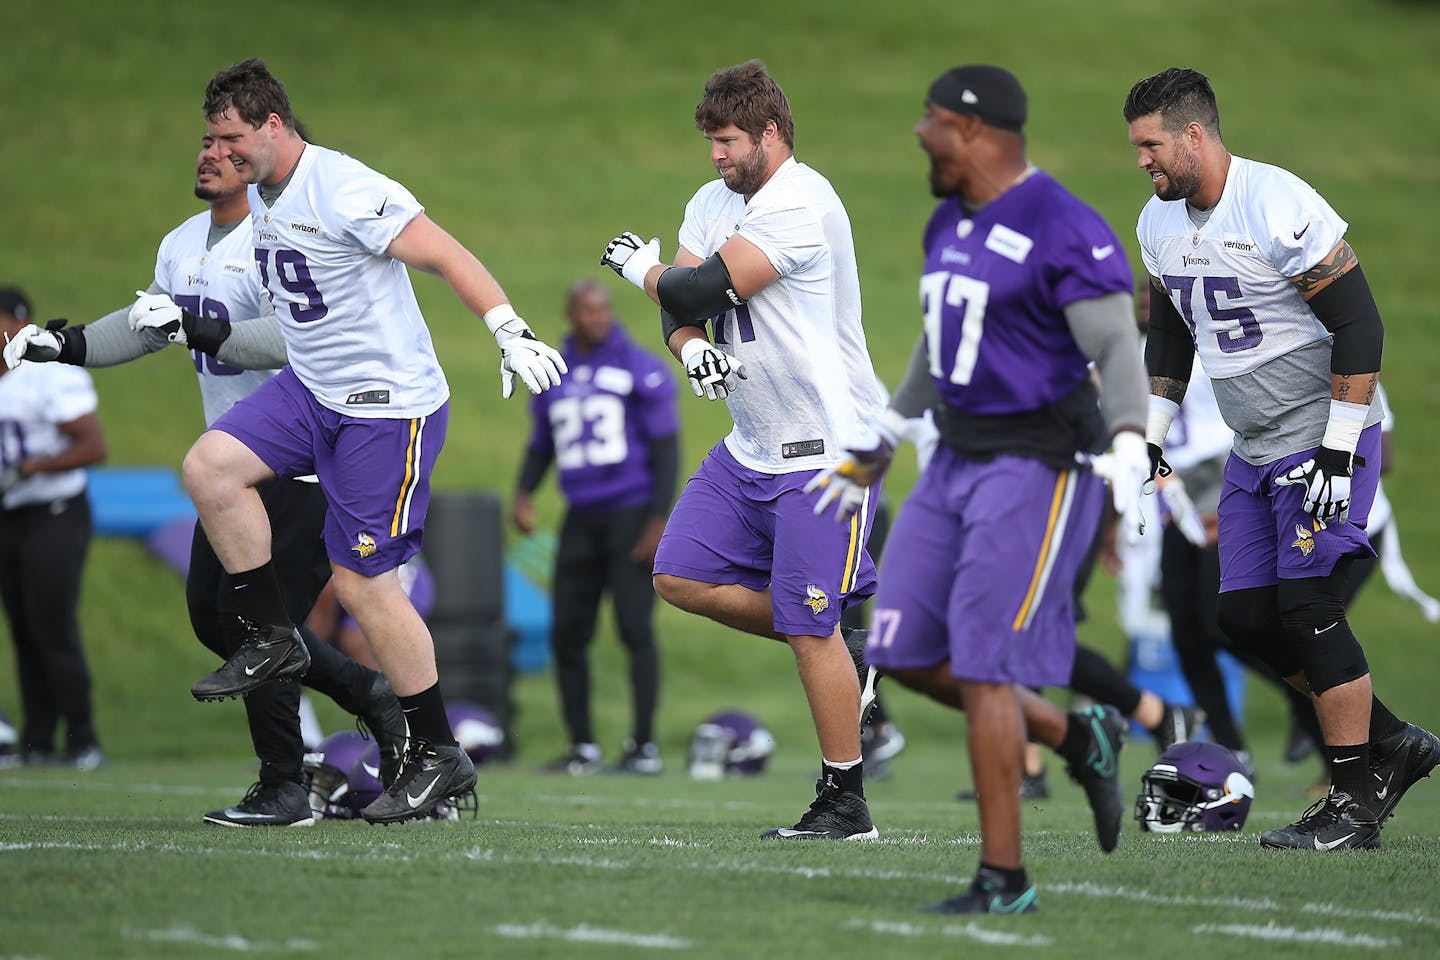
994	292
599	422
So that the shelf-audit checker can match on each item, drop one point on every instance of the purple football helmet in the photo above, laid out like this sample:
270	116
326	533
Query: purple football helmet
731	743
1194	786
327	774
475	730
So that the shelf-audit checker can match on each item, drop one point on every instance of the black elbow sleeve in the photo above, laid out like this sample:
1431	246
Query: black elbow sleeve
1169	349
692	295
1347	309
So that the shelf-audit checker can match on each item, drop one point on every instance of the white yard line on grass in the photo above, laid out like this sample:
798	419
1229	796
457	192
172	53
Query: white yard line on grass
230	941
584	933
1271	931
971	930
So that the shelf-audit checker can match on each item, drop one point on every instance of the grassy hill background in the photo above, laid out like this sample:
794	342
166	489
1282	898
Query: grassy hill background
536	131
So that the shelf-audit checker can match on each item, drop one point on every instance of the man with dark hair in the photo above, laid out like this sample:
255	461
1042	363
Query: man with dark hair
612	429
1023	287
206	266
1250	269
48	434
766	253
363	404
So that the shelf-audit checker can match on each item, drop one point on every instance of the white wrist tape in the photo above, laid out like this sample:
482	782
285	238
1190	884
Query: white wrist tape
1347	420
691	349
497	317
1157	424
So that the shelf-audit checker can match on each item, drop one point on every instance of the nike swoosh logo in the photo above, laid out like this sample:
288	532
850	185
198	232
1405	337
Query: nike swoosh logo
1333	843
381	211
415	801
233	814
1100	253
1332	626
1302	232
251	671
1383	791
1344	759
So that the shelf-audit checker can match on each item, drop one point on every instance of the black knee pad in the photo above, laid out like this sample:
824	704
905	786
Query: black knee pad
1313	613
1251	620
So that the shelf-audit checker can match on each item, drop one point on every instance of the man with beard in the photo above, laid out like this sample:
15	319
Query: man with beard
1023	287
206	266
766	253
1249	269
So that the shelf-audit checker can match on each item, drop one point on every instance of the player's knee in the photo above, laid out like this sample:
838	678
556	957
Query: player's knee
1312	613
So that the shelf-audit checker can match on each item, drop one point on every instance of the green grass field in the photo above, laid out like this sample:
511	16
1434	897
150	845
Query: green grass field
535	132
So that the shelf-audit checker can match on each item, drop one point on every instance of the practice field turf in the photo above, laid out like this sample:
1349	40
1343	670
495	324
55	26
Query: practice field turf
535	132
117	864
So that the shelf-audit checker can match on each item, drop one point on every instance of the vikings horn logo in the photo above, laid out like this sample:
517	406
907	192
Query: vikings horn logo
815	599
365	545
1304	539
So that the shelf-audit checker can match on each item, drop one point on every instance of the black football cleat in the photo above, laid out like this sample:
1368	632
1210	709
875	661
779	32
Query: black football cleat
282	804
1400	762
1334	822
868	676
267	653
381	715
1099	773
985	895
430	775
836	814
639	758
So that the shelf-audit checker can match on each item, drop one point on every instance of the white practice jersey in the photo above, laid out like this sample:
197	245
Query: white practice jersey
35	399
810	382
1258	340
352	328
1198	432
220	282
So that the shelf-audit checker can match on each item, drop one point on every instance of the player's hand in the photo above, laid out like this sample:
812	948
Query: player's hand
1158	467
156	311
867	457
643	553
1326	478
1183	513
522	514
712	372
32	343
631	257
534	361
1126	468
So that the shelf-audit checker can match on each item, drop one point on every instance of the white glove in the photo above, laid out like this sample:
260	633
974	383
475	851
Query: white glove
1183	513
631	257
1126	468
31	343
922	432
156	311
867	458
711	371
522	353
1326	478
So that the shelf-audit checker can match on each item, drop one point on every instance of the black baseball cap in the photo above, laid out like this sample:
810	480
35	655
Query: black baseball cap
988	92
15	303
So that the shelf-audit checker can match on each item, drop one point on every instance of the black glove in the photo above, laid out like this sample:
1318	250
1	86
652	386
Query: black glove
1158	467
205	334
1326	478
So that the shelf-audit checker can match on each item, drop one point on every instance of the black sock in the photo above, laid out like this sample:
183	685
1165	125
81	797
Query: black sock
1350	771
1008	880
255	595
425	716
850	780
1076	744
1383	723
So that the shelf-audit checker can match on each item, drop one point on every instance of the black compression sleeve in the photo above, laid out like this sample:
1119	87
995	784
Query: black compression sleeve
1169	350
692	295
669	324
1347	309
532	470
665	472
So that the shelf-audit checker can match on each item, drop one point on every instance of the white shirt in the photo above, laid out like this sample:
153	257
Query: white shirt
219	282
800	338
35	400
352	327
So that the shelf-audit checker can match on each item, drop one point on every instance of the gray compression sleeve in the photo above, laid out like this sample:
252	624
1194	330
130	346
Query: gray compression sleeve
916	392
110	341
255	344
1104	328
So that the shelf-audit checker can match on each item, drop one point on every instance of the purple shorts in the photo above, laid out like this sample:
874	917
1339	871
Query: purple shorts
737	525
1265	534
980	567
375	472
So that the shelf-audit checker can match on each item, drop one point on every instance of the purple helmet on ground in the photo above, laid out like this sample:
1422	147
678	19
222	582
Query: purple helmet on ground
327	773
475	730
1194	786
731	743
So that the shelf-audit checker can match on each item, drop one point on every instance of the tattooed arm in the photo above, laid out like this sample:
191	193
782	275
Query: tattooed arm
1339	295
